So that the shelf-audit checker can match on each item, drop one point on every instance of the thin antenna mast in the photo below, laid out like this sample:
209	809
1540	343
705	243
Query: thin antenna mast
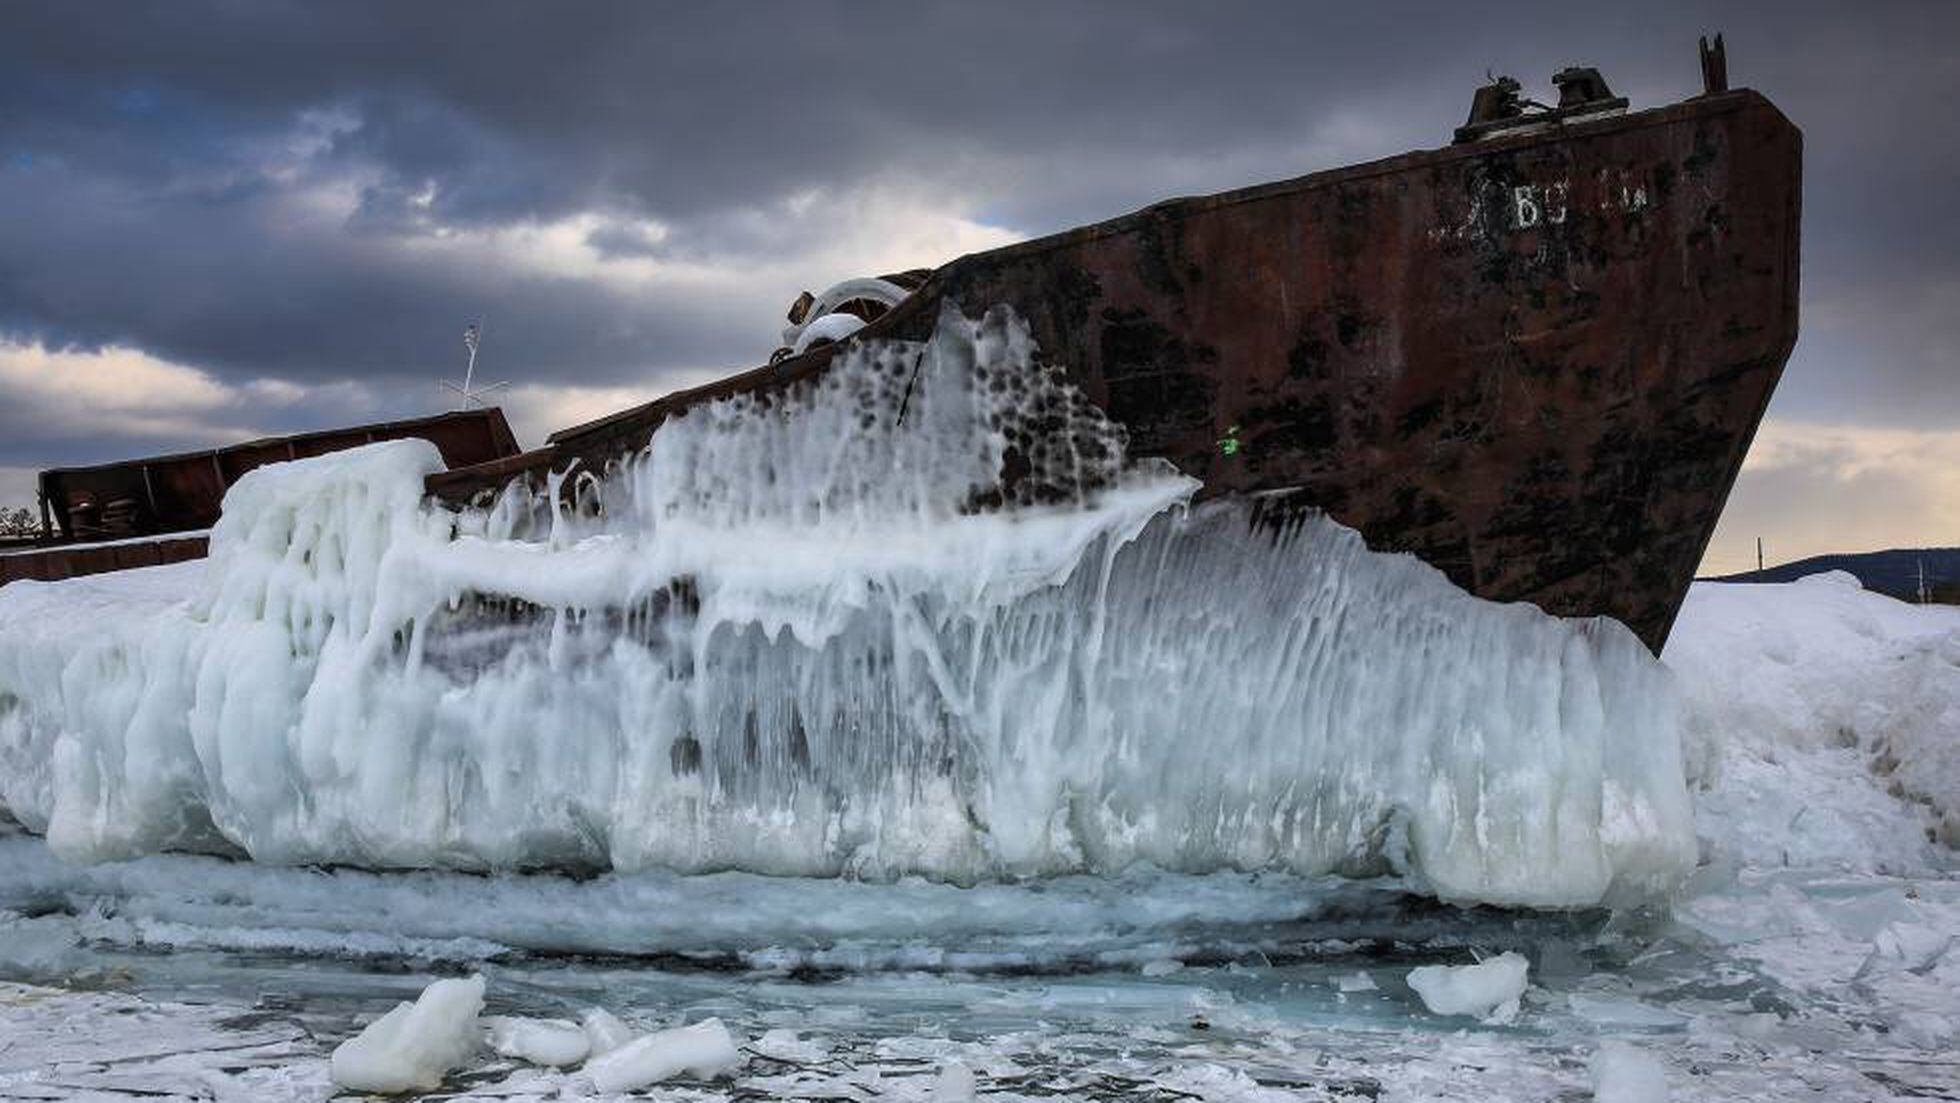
472	340
472	336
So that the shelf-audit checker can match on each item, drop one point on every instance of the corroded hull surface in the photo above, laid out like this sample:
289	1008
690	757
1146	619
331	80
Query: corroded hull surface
1536	362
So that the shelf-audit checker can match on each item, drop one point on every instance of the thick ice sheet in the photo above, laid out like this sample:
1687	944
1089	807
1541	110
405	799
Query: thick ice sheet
922	617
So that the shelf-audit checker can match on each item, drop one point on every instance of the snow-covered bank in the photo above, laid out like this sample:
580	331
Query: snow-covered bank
922	617
1822	724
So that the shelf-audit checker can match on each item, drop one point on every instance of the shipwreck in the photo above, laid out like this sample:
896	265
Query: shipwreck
1534	358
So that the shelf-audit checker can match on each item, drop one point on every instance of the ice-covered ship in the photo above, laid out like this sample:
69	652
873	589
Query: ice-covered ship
1533	358
1042	563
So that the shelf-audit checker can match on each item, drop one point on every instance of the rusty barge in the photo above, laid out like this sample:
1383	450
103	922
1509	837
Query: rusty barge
1534	358
152	511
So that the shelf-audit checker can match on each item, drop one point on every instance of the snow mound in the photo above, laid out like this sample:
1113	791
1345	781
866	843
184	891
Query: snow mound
1489	990
704	1050
921	616
414	1046
1822	723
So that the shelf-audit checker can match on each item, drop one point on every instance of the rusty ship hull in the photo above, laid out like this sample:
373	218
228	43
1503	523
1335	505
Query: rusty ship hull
1536	361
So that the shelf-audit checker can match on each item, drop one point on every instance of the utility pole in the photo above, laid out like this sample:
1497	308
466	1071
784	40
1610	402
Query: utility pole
1759	555
1923	598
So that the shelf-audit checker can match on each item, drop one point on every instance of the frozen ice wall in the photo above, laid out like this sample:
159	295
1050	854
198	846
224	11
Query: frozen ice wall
920	616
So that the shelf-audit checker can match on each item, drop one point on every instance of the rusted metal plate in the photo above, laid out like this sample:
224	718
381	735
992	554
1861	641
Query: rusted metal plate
1534	361
474	484
52	564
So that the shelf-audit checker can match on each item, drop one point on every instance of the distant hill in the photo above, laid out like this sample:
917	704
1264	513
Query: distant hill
1894	572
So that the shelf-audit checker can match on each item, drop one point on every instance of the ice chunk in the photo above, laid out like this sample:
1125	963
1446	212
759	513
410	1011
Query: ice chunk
1914	947
1623	1012
414	1046
554	1042
955	1084
704	1050
1622	1073
918	616
1489	990
785	1044
1355	982
1162	967
1926	1029
604	1032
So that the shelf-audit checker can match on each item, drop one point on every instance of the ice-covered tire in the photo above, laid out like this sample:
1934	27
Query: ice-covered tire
826	330
823	309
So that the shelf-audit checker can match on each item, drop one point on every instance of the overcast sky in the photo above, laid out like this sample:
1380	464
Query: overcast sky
226	219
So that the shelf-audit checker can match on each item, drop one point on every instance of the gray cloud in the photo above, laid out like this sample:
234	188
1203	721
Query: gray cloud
324	193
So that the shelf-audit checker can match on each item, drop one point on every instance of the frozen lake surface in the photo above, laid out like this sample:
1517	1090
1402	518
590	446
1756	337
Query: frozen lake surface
200	978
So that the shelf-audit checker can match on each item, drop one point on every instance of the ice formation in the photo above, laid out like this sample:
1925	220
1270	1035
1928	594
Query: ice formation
786	1045
1358	981
554	1042
703	1050
954	1084
604	1032
415	1045
920	616
1489	990
1767	982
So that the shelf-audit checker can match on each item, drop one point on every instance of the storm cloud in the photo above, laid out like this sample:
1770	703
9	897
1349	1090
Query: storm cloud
296	207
